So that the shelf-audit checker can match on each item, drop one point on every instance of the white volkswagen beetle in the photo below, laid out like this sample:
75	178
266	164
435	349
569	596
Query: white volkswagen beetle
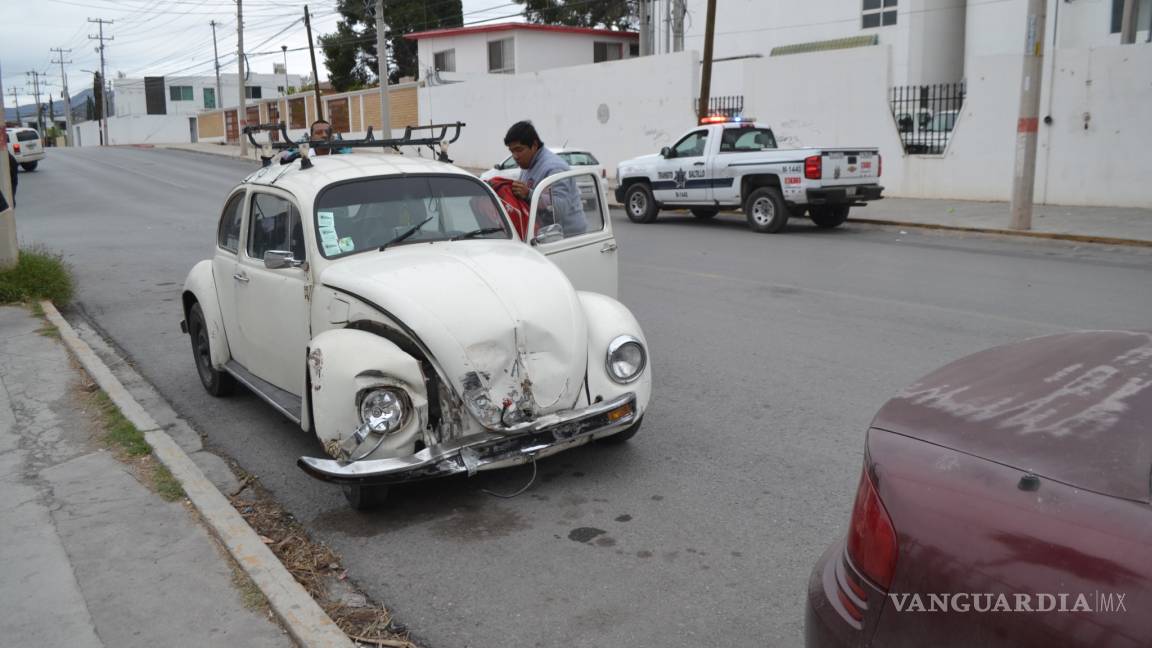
386	304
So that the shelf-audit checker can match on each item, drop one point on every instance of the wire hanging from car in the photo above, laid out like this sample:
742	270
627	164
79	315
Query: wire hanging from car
531	481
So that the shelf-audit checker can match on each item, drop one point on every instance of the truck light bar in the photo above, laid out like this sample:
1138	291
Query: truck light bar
725	119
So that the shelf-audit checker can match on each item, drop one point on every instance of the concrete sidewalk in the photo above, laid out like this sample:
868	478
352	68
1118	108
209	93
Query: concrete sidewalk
90	556
1091	224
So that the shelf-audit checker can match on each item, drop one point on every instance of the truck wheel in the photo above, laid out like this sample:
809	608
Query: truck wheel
639	204
829	216
29	166
217	383
365	498
766	211
705	214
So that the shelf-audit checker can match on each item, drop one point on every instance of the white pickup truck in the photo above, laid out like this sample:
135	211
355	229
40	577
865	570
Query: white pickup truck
731	164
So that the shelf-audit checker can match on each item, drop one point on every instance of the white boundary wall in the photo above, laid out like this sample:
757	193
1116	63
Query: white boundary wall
138	129
617	110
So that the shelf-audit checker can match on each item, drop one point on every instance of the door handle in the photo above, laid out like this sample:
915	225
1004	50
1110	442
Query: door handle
610	246
241	277
697	164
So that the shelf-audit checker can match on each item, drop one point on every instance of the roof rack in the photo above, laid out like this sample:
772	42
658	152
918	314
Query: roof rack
436	142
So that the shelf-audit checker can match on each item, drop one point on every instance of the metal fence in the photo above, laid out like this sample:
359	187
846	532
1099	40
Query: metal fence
925	115
728	106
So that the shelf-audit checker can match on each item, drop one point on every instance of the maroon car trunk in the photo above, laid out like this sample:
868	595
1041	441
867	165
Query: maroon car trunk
1021	471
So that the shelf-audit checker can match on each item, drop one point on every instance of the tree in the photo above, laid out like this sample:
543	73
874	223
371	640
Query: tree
89	108
612	14
51	111
350	53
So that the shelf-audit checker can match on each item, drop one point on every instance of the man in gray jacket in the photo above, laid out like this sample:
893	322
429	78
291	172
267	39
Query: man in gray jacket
536	163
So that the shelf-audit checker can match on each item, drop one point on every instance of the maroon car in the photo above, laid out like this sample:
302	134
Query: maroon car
1006	500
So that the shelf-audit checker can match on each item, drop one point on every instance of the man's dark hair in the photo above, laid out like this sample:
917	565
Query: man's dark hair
319	121
522	132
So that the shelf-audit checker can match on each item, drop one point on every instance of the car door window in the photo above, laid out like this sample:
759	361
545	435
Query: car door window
578	159
274	224
737	140
228	233
572	203
692	145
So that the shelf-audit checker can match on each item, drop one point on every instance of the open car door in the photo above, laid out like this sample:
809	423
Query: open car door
569	223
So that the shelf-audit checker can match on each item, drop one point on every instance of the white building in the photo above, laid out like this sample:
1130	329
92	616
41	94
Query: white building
463	53
187	95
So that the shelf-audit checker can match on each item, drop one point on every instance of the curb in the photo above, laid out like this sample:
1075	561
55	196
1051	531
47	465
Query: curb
1057	236
301	616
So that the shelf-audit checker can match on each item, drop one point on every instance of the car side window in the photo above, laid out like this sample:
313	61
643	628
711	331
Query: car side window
274	224
228	233
692	145
574	204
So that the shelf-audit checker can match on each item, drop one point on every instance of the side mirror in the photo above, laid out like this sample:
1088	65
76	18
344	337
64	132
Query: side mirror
279	259
496	166
549	234
666	153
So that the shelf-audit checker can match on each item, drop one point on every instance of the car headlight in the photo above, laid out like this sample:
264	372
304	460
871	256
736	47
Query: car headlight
383	410
626	359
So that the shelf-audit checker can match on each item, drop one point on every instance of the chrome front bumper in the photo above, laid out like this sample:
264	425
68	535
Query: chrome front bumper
546	435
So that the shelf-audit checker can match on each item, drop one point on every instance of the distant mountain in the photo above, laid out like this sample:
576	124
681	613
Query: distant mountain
27	111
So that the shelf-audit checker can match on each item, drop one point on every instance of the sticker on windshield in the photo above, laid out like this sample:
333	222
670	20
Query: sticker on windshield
328	235
346	244
324	219
331	249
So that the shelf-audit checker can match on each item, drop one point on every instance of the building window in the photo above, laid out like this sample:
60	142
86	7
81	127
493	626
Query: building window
1142	18
279	89
209	97
878	13
180	93
607	52
253	92
445	61
501	58
634	49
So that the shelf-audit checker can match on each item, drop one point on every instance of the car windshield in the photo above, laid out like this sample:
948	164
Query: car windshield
578	158
366	214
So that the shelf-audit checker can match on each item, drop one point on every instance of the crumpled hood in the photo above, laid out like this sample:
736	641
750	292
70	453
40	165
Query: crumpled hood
500	319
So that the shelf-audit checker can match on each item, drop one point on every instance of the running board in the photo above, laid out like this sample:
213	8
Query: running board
284	402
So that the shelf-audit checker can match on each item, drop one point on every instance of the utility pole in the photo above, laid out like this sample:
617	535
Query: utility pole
103	76
1128	23
382	71
16	102
284	49
216	59
242	110
678	25
9	250
67	97
1024	178
645	25
706	76
36	94
312	53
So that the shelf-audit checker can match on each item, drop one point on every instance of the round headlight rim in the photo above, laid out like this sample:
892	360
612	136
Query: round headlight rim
401	397
613	346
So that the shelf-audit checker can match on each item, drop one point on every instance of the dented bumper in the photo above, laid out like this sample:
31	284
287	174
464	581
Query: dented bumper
545	436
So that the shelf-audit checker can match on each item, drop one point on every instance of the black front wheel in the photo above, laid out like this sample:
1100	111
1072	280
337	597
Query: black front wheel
365	498
217	383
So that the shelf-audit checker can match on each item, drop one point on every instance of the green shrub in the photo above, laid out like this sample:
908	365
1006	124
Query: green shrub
38	275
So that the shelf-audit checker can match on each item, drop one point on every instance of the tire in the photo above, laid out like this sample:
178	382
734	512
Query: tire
217	383
621	437
705	214
29	166
365	498
639	204
828	217
766	211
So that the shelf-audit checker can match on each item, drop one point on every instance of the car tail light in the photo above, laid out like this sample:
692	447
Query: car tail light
812	167
871	537
16	147
604	173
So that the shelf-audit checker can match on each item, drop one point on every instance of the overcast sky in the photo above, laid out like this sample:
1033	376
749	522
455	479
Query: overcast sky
167	37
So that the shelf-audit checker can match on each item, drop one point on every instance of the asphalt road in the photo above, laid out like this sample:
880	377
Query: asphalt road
771	353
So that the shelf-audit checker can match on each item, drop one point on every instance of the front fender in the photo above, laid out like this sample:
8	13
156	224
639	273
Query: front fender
200	287
342	363
607	319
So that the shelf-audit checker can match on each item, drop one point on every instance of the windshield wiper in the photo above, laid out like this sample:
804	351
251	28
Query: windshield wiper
477	232
409	232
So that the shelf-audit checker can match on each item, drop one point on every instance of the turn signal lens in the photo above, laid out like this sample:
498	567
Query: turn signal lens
871	537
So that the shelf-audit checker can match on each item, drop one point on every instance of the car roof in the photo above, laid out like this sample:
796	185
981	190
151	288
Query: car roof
329	169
